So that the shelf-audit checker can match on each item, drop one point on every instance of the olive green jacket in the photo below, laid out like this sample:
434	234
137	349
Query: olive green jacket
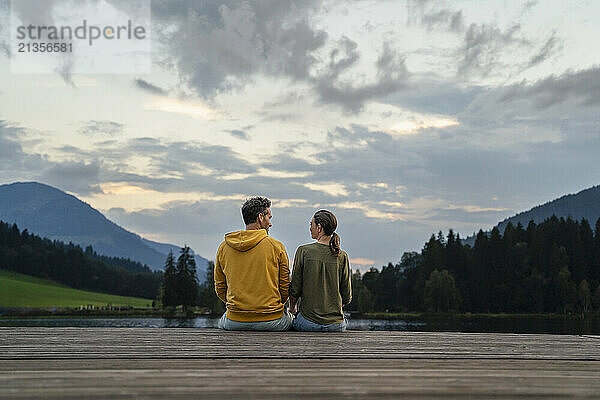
323	282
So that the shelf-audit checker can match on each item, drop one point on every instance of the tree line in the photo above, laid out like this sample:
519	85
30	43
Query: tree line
69	264
551	267
180	285
79	268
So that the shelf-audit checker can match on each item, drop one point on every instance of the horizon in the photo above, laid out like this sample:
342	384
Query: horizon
402	118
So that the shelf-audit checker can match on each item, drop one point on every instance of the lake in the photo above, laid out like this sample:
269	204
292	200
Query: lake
588	326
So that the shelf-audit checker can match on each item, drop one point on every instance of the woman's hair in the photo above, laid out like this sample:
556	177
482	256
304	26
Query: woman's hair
328	222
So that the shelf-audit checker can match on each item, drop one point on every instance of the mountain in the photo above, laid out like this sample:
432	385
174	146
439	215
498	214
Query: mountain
584	204
52	213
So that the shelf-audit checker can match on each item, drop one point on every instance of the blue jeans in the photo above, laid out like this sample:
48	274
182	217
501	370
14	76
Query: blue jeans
281	324
302	324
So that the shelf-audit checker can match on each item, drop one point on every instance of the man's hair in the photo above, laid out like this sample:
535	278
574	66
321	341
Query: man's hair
253	207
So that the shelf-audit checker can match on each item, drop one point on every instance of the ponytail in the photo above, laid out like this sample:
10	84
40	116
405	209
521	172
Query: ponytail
329	223
334	244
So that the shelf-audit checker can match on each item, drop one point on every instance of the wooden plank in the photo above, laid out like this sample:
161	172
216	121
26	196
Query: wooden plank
128	363
307	378
69	343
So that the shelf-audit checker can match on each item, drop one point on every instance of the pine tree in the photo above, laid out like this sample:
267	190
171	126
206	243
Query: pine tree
187	279
168	289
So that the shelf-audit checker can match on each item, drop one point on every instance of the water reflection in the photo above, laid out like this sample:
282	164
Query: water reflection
441	324
384	325
202	322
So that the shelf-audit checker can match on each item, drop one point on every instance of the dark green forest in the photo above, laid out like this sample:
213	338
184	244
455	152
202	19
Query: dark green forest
551	267
71	265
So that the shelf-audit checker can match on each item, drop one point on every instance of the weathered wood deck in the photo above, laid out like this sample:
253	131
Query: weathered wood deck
59	363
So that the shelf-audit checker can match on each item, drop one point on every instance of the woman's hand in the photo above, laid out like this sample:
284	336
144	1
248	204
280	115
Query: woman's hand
293	307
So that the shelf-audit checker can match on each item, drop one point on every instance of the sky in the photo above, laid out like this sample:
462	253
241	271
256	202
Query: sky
403	118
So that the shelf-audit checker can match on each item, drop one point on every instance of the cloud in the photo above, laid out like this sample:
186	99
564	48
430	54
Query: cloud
110	128
475	215
391	76
397	188
239	134
192	108
220	46
288	98
78	177
10	148
370	211
362	261
429	15
34	12
332	189
475	209
41	13
483	46
462	164
435	96
200	224
413	126
15	162
443	186
4	23
449	20
487	48
539	109
169	163
529	5
548	49
148	87
581	86
279	117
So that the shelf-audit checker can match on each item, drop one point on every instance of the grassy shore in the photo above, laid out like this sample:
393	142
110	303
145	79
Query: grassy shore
24	291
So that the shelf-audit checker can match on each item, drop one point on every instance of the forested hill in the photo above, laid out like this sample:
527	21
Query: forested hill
69	264
585	204
52	213
551	267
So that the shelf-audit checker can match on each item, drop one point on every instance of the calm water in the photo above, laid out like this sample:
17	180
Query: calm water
589	326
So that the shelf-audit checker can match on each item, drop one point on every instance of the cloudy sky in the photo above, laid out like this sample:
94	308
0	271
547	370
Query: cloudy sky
401	117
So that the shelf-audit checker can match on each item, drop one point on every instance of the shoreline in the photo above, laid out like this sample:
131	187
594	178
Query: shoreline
131	313
159	313
466	316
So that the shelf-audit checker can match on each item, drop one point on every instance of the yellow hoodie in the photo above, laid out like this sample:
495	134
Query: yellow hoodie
252	276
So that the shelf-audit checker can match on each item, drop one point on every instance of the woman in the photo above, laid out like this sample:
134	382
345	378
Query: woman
321	278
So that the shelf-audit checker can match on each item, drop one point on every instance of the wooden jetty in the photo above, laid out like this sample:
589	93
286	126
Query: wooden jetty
151	363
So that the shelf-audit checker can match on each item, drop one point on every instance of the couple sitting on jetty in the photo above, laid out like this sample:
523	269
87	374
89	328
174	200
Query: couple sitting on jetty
252	276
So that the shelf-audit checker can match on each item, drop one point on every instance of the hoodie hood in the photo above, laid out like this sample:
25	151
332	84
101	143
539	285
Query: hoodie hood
245	240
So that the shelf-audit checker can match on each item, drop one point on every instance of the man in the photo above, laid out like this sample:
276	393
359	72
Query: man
252	274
